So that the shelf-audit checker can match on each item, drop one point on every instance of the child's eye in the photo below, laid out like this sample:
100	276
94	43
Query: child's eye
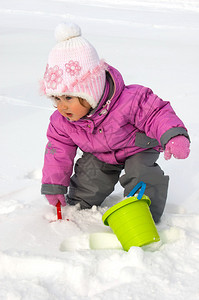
56	98
68	98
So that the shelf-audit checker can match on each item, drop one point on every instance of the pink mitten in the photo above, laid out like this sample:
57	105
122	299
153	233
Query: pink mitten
178	146
54	199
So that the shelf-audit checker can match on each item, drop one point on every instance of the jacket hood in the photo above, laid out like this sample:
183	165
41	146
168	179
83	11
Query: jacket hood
115	83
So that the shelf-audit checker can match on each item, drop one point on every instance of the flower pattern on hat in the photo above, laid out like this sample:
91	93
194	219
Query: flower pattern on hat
73	67
53	77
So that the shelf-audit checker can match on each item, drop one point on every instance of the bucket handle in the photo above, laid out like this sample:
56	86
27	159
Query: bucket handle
141	185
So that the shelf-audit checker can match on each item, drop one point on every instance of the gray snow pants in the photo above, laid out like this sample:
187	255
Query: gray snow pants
94	180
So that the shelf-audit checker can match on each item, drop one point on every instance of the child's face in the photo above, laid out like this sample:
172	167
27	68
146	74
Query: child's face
70	107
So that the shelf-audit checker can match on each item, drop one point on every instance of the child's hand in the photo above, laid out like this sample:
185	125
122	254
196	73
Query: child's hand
178	146
54	199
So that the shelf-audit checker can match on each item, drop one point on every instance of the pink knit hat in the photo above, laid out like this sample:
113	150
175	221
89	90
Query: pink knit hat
74	68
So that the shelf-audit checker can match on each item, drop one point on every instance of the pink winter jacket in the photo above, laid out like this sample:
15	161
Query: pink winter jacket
128	119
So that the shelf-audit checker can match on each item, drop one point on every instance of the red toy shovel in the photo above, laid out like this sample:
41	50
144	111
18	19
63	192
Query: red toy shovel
59	215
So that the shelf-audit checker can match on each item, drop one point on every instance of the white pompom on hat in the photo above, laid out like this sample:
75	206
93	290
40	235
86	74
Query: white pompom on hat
74	68
66	31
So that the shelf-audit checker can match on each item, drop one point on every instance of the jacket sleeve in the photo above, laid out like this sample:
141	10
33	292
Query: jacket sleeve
58	161
155	117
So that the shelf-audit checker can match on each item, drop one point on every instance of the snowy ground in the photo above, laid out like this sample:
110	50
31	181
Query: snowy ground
154	43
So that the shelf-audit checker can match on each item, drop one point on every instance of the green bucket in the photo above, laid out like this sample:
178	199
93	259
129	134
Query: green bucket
131	220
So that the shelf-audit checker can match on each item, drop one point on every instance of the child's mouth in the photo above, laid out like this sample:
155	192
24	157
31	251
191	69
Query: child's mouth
69	115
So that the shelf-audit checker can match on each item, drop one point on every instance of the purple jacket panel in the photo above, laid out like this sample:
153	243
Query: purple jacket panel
59	156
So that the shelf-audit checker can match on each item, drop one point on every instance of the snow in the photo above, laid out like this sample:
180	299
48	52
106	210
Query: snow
153	43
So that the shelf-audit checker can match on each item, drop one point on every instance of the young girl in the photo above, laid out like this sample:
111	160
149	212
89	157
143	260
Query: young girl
116	126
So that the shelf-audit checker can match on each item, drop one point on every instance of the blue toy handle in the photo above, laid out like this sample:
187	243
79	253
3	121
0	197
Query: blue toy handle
141	185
